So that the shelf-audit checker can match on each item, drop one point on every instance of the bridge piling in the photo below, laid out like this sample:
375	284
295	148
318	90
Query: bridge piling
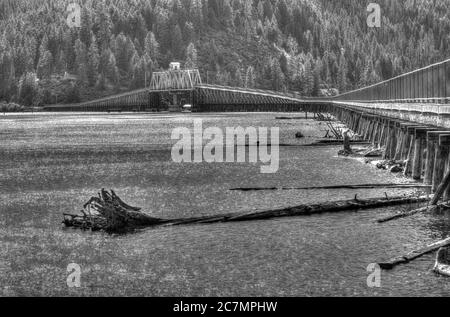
406	142
388	141
364	126
399	136
373	137
393	140
419	145
411	151
430	157
441	154
354	121
369	129
381	136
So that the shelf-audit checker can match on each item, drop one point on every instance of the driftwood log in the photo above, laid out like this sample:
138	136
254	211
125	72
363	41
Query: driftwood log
109	213
390	264
362	186
407	214
434	203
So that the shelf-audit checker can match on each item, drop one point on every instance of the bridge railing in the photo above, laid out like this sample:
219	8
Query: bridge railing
428	84
264	92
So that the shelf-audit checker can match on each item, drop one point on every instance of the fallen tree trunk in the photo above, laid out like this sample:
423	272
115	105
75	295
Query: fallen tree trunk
339	141
292	118
333	143
390	264
111	216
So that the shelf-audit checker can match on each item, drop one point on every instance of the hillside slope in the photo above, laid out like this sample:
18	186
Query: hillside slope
300	45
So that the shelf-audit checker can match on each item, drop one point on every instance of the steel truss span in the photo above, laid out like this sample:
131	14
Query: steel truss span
427	87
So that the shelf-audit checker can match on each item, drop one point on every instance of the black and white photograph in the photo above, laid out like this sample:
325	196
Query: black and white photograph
226	154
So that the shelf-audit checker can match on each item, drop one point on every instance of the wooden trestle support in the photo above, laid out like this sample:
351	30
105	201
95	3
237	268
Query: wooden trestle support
425	148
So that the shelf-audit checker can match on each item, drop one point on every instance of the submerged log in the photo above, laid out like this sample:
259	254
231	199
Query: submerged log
330	143
339	142
112	215
407	214
291	118
362	186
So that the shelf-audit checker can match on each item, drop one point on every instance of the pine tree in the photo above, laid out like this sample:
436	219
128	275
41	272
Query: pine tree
124	51
140	29
284	64
250	78
283	16
112	71
316	81
196	13
342	74
139	70
81	62
22	61
238	80
277	76
93	63
268	10
191	57
45	65
177	42
7	71
308	79
28	89
43	47
86	27
69	52
152	47
104	25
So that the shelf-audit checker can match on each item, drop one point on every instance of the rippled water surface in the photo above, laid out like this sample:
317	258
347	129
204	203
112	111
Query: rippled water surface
52	163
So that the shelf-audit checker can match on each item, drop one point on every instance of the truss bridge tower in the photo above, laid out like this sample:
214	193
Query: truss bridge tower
174	89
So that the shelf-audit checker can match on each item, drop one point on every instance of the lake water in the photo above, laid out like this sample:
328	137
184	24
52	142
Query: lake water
53	163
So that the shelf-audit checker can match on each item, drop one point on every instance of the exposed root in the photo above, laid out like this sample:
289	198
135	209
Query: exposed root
109	212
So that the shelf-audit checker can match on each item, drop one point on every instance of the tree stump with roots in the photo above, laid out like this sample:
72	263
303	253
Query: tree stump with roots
110	213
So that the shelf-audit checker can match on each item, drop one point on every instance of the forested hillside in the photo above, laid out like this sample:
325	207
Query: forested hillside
300	45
